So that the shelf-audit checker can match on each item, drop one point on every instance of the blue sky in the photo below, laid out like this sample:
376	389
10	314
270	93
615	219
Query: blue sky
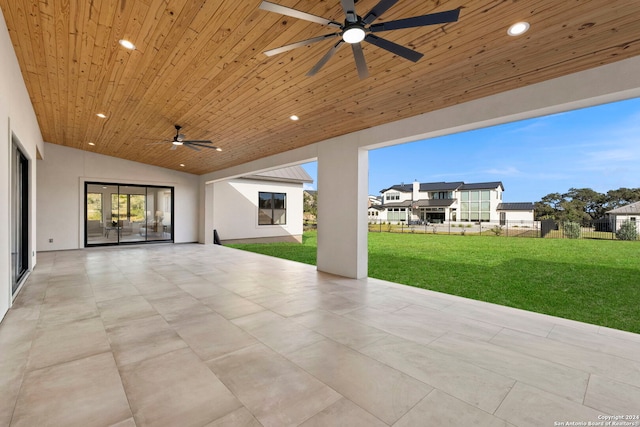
597	147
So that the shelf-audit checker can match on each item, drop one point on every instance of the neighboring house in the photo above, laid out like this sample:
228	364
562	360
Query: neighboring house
630	212
264	207
439	202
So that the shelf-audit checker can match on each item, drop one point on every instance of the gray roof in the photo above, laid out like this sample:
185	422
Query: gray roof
445	186
482	186
518	206
631	209
422	203
288	174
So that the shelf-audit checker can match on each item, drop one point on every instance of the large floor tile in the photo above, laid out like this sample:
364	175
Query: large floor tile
439	320
279	333
339	328
52	315
553	377
176	306
275	390
66	342
175	389
125	309
141	339
211	335
84	393
606	365
594	341
397	324
527	406
613	397
109	291
343	413
477	386
238	418
365	381
441	409
231	305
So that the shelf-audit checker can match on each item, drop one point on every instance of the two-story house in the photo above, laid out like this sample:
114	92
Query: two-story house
439	202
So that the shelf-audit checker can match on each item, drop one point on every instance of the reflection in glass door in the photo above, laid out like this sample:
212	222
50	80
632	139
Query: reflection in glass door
118	214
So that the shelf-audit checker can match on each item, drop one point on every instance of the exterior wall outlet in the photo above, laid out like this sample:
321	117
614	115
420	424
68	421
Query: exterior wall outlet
50	240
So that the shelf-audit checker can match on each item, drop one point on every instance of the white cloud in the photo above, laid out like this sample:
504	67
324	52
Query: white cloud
508	171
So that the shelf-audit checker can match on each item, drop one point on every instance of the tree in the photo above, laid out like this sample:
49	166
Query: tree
310	203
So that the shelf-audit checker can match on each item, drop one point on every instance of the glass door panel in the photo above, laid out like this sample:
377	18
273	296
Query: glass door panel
117	214
159	213
132	213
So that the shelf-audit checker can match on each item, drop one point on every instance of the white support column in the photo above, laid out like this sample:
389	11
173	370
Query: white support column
206	213
342	208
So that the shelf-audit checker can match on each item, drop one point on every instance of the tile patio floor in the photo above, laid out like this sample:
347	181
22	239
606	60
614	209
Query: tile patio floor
194	335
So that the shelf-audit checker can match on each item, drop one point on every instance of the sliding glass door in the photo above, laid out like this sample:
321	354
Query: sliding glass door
118	213
19	216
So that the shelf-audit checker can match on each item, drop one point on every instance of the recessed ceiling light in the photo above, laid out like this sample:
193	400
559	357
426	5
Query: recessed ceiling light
91	143
294	117
127	44
518	28
218	149
101	115
181	165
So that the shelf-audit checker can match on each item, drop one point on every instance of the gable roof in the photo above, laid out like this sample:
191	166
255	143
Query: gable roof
518	206
482	186
445	186
630	209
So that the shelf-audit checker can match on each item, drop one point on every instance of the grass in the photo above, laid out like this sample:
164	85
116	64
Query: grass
593	281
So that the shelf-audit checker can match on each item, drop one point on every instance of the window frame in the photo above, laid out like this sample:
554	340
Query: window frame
273	207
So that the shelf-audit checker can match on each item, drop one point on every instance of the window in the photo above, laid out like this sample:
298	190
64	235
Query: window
475	206
272	208
392	196
442	195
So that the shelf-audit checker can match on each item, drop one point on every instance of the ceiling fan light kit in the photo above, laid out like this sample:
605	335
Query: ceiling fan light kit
356	29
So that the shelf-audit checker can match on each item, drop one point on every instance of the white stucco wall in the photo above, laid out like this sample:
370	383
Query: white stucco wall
60	183
16	117
515	216
235	209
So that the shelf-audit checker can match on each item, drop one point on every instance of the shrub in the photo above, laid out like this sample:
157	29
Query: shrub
497	230
571	230
627	231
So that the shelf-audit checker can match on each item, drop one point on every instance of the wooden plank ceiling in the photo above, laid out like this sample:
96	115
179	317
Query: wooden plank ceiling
200	64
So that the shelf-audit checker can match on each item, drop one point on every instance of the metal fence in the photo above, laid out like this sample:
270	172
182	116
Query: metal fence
548	229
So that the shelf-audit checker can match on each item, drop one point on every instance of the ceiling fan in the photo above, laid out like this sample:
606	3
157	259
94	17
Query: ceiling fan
356	29
179	139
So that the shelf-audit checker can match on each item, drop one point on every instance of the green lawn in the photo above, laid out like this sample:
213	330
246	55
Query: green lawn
594	281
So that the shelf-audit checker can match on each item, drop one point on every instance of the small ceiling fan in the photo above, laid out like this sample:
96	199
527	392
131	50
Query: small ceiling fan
179	139
356	29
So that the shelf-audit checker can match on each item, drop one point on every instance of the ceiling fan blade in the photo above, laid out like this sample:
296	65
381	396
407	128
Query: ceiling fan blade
283	10
192	147
205	146
417	21
349	8
298	44
173	147
394	48
206	141
361	63
378	10
324	59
